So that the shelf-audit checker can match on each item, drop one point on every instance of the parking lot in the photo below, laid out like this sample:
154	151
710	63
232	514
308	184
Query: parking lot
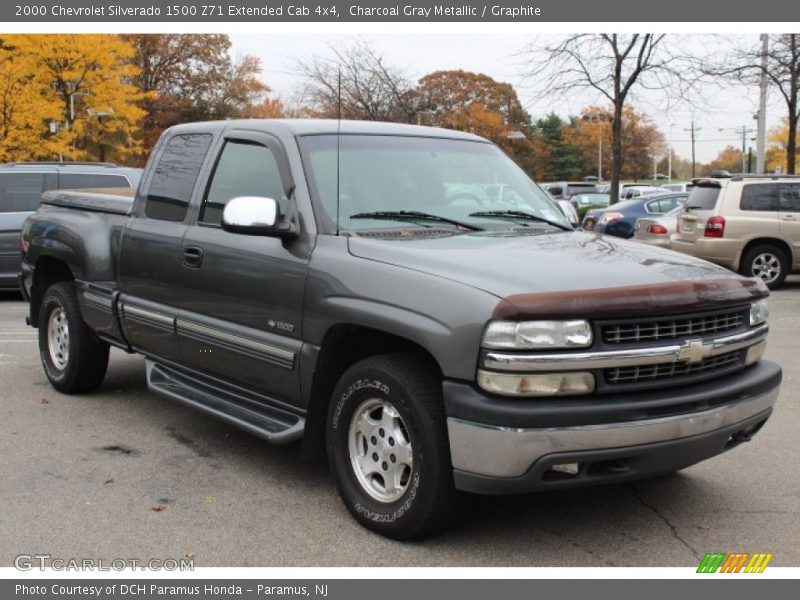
122	473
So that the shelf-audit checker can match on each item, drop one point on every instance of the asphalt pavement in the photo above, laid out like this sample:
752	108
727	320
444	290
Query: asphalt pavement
122	473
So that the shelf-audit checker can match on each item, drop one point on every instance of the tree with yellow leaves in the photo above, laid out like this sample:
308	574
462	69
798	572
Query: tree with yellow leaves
776	151
80	82
25	113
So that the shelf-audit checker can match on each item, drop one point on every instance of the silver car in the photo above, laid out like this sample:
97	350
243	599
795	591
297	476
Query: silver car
657	230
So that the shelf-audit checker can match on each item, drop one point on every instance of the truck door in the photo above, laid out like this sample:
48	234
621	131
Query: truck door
241	296
151	245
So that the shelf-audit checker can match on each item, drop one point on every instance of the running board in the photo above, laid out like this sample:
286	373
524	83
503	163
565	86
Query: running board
271	423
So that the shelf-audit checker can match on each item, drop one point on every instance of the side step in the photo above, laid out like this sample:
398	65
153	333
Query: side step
274	424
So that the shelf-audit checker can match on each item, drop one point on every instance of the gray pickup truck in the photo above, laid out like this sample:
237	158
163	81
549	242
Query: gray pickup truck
406	300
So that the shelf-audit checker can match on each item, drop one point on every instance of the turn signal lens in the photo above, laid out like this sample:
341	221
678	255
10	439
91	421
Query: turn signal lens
755	353
550	384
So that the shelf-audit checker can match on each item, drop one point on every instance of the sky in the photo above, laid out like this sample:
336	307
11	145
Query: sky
499	56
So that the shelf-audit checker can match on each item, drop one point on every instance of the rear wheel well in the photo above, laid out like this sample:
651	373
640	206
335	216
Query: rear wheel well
784	247
48	271
343	346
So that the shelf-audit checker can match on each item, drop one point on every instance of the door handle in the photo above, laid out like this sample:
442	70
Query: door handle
789	218
193	256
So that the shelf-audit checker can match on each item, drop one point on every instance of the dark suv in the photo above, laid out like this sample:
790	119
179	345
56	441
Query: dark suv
21	187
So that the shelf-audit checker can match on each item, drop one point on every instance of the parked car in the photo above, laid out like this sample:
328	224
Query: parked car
569	211
682	186
657	230
629	191
314	280
21	187
590	199
748	223
619	219
563	190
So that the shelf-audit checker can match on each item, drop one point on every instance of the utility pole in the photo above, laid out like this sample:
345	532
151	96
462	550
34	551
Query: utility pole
744	131
762	108
744	146
599	118
693	129
600	156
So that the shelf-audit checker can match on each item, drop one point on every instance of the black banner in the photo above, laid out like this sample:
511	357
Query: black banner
732	588
330	11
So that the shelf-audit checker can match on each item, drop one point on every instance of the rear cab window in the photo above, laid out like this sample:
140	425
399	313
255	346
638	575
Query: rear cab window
20	192
175	176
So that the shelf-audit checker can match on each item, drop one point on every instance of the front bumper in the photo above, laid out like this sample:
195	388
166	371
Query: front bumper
506	446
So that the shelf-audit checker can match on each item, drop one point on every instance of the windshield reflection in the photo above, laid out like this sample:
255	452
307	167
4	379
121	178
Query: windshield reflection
362	174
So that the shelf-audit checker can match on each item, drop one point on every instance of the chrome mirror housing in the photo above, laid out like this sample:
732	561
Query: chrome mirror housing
253	215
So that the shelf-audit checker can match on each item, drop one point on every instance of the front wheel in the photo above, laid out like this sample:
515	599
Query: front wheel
73	358
388	447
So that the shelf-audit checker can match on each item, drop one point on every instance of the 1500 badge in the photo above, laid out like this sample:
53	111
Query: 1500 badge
273	324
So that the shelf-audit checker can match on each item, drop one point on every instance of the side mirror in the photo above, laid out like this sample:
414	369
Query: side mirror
254	215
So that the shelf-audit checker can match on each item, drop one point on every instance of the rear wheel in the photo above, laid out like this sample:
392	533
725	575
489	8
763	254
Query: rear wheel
388	447
768	262
73	358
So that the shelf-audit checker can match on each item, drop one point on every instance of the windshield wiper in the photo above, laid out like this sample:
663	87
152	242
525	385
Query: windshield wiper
413	215
519	215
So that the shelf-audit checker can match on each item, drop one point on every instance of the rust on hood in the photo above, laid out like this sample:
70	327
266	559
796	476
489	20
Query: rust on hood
632	301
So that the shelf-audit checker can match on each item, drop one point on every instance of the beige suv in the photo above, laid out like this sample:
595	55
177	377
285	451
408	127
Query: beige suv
748	223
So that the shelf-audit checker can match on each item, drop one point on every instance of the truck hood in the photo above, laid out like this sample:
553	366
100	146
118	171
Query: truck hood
505	265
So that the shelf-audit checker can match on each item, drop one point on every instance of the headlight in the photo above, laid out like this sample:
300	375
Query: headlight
550	384
759	312
609	217
533	335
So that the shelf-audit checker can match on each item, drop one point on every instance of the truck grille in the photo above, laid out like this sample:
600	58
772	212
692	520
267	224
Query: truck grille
646	373
651	330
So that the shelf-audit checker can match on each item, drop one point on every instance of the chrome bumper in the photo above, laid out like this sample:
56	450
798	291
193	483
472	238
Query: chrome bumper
506	452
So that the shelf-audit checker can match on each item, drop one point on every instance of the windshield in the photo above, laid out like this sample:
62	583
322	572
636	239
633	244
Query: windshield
447	178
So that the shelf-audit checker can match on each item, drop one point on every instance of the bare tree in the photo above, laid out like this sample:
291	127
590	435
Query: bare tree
357	83
782	69
611	65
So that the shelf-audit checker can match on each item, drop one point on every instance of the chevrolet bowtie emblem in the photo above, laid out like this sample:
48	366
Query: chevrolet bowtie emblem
694	351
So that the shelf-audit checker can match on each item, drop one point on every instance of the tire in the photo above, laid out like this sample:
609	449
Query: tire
767	262
76	361
406	430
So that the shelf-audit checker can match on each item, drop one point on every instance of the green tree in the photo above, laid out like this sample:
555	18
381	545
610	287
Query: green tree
555	158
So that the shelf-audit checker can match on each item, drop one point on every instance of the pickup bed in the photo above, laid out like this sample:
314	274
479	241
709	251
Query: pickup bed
405	300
